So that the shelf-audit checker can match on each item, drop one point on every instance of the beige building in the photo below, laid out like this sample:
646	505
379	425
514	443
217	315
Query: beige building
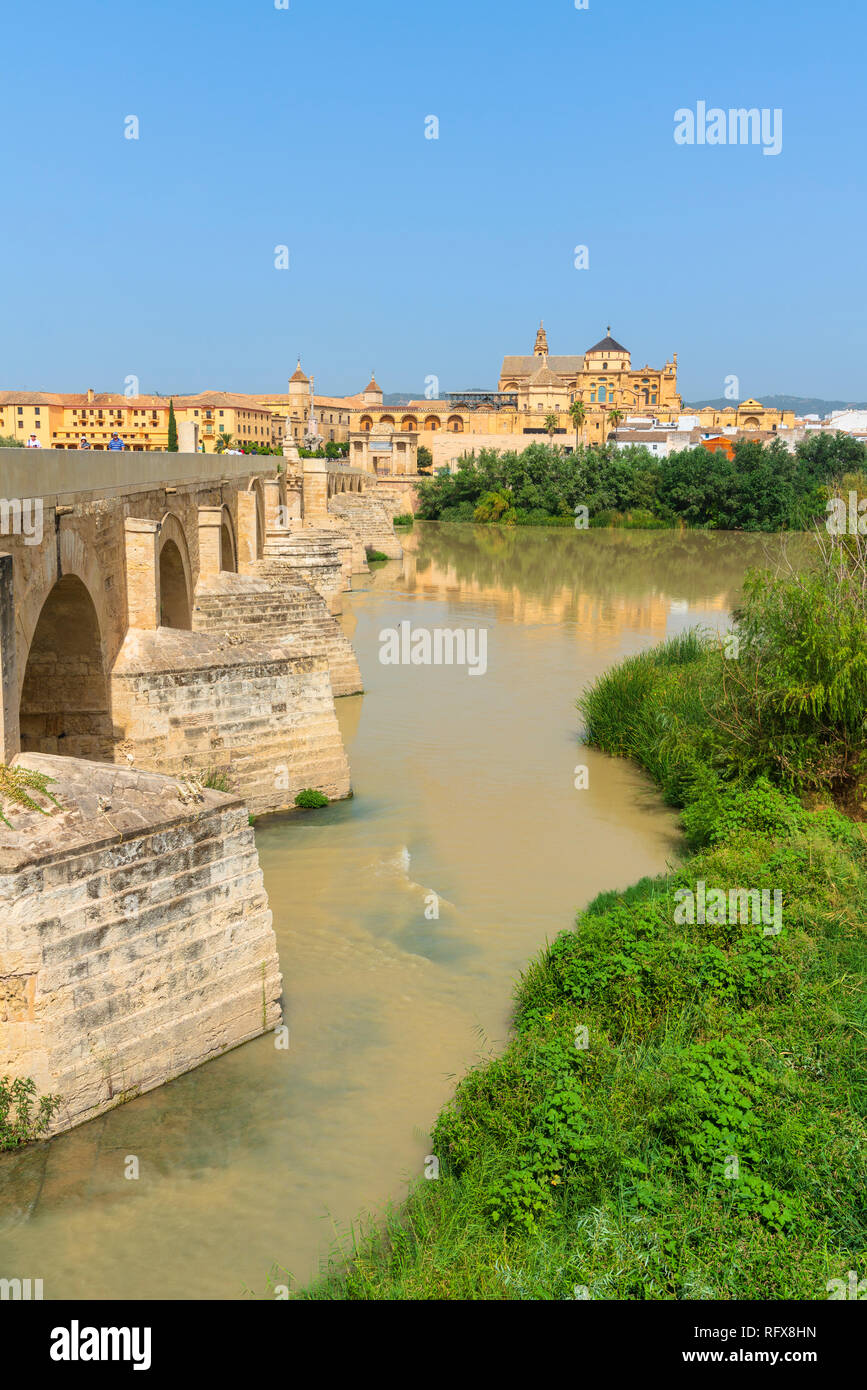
385	451
531	389
242	418
534	387
59	421
747	415
602	378
330	418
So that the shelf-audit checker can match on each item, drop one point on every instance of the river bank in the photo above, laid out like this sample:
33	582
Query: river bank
679	1111
464	787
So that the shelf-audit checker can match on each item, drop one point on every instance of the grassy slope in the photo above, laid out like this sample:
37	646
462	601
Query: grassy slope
606	1168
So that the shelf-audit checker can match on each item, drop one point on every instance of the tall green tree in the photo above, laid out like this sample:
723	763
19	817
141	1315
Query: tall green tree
173	429
551	425
578	412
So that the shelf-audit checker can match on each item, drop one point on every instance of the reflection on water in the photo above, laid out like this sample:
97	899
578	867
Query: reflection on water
463	789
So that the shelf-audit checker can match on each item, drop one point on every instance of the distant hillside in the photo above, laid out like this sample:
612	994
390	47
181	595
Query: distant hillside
802	405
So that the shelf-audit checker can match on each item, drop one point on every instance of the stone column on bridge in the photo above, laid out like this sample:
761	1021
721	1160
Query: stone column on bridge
142	572
274	518
210	546
315	488
248	528
10	737
188	437
293	494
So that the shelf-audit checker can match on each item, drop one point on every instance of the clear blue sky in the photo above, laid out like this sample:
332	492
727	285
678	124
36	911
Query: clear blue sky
306	127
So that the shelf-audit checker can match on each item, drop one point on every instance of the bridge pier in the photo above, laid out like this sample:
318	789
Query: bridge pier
210	521
142	572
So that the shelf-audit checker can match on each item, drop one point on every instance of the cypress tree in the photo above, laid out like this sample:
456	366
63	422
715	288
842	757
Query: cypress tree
173	429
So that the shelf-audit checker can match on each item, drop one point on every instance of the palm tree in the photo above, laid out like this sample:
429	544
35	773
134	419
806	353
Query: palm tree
224	442
614	418
552	424
579	415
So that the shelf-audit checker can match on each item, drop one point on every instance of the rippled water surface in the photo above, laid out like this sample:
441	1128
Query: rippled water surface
463	788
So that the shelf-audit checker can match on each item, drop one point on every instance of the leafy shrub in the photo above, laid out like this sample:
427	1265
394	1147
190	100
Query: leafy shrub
18	1123
310	800
16	784
723	809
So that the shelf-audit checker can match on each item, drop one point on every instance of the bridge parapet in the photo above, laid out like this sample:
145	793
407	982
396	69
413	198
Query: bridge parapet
63	476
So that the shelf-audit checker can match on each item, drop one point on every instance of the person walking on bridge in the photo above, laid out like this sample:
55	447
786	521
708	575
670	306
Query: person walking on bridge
83	442
115	442
33	442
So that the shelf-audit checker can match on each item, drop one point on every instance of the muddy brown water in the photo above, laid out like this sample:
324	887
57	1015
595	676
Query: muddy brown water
464	788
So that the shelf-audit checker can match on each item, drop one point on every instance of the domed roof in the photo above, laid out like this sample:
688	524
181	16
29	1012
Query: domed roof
608	344
298	375
372	386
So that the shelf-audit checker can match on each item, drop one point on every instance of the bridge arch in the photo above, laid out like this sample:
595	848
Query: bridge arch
228	544
176	577
257	487
64	703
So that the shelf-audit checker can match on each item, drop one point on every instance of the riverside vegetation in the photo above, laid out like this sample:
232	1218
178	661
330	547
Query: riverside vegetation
680	1111
764	487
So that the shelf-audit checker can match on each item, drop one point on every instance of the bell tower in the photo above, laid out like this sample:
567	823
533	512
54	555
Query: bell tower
541	348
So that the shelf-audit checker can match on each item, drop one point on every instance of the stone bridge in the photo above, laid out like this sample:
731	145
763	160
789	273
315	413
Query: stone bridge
170	657
185	623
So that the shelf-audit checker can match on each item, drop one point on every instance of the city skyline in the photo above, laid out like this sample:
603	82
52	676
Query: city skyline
260	128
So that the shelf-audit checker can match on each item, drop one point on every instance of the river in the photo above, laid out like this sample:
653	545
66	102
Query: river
464	789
